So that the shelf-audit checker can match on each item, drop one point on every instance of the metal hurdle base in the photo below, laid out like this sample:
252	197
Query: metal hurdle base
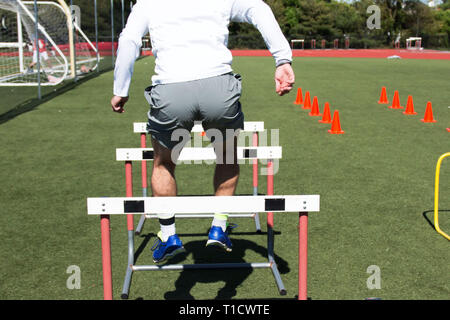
271	264
209	266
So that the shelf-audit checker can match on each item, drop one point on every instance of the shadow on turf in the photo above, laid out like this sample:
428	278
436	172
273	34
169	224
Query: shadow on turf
31	104
233	278
425	213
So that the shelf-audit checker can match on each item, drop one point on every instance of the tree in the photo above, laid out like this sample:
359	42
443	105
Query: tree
311	19
419	18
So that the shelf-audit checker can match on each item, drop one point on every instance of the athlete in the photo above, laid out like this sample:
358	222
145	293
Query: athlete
194	81
43	55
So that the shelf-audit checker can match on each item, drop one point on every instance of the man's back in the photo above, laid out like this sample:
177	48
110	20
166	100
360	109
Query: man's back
190	38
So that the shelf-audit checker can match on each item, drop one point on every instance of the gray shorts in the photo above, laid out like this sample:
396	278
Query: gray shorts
214	101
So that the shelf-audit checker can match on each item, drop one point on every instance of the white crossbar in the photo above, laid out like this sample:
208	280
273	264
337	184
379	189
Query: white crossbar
11	45
249	126
192	154
203	204
140	127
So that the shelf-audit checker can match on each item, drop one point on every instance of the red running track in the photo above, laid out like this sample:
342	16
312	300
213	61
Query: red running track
105	50
354	53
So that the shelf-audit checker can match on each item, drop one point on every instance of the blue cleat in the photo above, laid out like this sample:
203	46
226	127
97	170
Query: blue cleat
164	250
218	238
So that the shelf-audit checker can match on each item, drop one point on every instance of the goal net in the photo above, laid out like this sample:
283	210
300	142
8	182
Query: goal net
63	49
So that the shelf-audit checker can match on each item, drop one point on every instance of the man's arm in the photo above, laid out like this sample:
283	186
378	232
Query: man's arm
260	15
130	43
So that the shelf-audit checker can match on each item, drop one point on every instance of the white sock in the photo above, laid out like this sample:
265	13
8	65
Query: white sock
167	228
220	220
167	231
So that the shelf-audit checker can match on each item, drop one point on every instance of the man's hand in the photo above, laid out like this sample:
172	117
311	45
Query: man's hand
117	103
284	79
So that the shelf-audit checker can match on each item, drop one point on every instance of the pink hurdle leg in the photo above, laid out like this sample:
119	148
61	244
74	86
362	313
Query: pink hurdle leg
130	227
129	191
270	235
270	190
143	140
106	257
303	256
255	182
144	166
141	222
255	164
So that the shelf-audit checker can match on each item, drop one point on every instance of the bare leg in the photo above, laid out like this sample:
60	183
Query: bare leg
226	175
163	173
164	185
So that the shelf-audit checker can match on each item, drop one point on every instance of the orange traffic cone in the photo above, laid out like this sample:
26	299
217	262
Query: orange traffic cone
428	114
383	96
326	118
299	99
409	106
396	102
336	124
315	108
307	101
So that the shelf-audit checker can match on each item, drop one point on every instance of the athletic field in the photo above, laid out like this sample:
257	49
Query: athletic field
376	183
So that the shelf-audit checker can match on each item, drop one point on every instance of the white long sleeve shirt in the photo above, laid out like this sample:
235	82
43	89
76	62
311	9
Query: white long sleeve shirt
189	38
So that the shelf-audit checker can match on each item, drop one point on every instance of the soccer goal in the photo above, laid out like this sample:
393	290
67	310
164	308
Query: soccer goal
63	49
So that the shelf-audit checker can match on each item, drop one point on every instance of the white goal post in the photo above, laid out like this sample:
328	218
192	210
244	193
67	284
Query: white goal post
64	49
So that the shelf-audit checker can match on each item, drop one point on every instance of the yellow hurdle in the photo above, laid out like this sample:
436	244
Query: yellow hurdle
436	196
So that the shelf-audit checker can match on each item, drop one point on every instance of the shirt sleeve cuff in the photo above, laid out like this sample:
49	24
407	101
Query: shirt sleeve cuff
283	61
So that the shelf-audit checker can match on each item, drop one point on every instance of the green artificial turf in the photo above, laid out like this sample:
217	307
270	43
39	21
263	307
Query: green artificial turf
20	99
376	184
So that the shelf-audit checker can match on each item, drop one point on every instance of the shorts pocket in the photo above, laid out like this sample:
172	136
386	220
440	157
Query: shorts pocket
152	96
234	83
147	95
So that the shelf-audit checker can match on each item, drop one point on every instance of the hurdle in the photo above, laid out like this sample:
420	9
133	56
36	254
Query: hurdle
249	126
417	43
302	41
302	204
336	44
128	155
254	127
436	196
